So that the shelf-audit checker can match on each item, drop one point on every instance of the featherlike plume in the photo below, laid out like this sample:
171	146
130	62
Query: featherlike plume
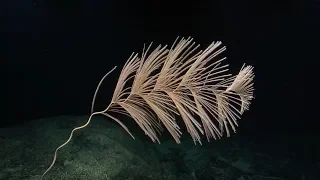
182	81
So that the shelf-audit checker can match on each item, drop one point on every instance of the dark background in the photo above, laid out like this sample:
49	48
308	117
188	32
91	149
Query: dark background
57	51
